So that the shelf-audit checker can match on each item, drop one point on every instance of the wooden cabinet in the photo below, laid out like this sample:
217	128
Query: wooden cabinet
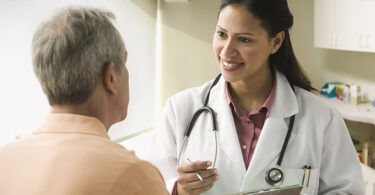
345	24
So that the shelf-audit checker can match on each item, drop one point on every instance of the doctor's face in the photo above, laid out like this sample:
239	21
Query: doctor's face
241	45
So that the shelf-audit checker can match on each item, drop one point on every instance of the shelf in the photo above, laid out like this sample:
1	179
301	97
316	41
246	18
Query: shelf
361	113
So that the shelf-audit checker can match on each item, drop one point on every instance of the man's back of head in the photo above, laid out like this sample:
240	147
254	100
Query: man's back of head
79	59
74	46
74	55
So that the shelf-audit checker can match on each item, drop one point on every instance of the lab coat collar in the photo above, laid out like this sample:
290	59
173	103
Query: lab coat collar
285	102
270	140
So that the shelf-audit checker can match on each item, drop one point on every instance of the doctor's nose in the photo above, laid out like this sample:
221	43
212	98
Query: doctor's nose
228	50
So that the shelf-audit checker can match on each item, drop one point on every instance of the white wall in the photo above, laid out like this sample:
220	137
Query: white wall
22	103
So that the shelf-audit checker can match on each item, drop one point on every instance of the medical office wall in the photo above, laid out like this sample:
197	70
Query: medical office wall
23	105
186	56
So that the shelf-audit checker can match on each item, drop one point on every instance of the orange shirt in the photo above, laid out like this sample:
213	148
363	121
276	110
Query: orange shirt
73	155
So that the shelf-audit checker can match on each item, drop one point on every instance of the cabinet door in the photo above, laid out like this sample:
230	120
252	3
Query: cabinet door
360	26
324	19
365	18
371	24
346	26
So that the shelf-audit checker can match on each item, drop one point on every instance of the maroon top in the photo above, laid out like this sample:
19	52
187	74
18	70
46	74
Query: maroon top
249	126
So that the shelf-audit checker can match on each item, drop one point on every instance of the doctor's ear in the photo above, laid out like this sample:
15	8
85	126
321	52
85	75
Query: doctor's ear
276	41
109	78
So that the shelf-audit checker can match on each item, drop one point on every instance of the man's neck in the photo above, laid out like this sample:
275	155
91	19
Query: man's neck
83	109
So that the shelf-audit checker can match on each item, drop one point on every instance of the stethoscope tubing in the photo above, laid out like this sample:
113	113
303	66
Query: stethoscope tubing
184	141
188	130
206	108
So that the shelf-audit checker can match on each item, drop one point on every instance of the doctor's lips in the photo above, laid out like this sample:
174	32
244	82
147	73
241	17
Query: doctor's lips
231	66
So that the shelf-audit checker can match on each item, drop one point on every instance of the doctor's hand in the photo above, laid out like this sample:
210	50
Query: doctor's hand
189	183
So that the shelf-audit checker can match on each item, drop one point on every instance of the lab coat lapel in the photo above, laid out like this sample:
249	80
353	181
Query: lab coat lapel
227	134
272	136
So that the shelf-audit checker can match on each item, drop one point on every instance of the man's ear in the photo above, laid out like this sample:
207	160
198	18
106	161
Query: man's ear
109	78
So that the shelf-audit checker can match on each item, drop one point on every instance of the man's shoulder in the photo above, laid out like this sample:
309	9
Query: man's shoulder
114	153
140	177
18	144
138	166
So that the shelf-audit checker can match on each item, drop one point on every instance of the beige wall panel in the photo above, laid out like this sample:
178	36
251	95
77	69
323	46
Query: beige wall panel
187	59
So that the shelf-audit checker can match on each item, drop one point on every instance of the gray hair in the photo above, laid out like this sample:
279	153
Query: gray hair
70	50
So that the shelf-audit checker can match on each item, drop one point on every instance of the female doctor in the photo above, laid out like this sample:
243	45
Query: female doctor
261	102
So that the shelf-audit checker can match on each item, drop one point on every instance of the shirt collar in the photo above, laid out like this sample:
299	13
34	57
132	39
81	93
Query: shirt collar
267	104
72	123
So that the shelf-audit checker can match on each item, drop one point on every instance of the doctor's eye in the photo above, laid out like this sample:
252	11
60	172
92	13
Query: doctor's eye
244	40
221	34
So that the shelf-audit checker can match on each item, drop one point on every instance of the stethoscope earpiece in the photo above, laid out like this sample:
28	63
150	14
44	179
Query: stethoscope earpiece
274	176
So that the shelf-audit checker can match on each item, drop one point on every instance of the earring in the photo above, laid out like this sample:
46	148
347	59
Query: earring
273	50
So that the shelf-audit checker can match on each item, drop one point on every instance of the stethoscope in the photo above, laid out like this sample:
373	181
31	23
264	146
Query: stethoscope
274	176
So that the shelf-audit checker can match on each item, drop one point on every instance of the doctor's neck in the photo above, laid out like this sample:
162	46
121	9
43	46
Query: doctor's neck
251	93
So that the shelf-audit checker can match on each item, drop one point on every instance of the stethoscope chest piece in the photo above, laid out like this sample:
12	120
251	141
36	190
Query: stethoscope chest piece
274	176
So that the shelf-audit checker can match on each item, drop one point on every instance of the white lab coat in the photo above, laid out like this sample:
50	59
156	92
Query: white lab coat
319	139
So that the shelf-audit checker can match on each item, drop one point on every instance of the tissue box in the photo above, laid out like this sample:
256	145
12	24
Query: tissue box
342	92
329	89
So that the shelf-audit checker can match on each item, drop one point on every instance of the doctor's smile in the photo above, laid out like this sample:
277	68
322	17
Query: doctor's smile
231	66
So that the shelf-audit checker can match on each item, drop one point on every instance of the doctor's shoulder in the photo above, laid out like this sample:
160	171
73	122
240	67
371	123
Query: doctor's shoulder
313	104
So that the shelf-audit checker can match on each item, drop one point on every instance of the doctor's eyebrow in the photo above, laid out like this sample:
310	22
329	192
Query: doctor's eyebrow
241	33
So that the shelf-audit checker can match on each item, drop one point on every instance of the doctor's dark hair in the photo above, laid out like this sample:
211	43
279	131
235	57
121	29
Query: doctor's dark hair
275	17
71	49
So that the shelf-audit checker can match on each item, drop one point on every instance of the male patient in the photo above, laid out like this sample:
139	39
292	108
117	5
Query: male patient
79	58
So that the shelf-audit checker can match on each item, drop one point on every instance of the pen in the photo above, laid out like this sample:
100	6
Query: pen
304	174
308	179
196	172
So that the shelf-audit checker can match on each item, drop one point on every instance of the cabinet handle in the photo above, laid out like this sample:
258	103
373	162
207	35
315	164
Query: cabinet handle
336	40
330	39
368	41
360	41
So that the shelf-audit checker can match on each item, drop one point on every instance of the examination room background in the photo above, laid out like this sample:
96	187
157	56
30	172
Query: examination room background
23	105
170	49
